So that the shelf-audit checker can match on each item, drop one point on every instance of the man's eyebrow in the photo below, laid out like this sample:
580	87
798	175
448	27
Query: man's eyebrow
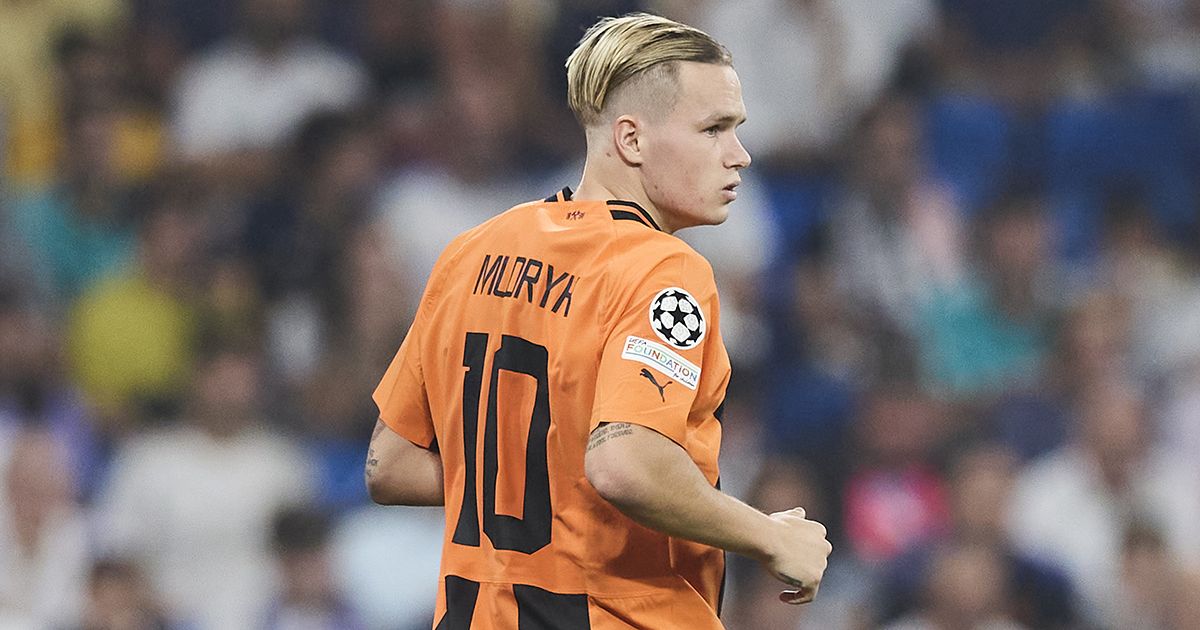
725	119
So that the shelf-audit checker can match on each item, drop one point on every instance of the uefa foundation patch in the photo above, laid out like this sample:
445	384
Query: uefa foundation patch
663	359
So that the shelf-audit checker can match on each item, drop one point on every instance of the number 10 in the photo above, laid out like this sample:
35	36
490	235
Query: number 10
532	532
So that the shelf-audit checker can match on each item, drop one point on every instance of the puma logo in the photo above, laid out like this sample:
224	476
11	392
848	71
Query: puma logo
662	387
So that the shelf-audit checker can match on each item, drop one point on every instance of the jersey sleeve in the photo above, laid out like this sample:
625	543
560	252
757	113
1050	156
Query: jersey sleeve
653	357
401	397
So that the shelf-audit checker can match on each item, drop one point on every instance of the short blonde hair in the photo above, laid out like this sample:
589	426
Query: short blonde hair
615	50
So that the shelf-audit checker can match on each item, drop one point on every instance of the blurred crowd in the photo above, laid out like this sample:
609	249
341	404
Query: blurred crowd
961	291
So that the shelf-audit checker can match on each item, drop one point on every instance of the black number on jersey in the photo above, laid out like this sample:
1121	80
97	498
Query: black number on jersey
532	532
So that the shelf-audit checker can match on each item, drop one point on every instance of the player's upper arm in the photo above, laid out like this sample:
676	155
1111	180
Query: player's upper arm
657	342
624	461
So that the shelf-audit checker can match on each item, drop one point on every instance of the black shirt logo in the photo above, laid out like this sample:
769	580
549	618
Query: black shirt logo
662	387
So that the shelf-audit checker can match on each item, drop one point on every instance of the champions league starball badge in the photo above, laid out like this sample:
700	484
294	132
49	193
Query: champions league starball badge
676	318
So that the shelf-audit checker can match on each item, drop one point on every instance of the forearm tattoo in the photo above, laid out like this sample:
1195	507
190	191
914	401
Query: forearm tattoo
791	581
608	432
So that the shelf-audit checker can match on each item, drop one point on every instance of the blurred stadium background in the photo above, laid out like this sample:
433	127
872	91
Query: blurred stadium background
961	292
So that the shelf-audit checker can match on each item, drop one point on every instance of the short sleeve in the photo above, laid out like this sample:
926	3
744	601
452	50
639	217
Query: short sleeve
401	397
653	357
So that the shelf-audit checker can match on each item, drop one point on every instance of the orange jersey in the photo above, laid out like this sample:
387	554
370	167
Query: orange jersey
534	328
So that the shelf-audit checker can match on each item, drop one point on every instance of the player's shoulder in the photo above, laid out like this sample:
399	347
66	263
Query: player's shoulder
645	253
668	246
621	235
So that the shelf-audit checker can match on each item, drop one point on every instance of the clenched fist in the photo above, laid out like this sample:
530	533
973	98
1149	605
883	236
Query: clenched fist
798	556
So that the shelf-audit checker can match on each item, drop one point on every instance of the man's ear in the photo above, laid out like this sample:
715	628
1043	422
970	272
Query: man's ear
627	138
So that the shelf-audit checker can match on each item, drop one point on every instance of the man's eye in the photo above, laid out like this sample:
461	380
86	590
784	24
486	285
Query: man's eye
712	131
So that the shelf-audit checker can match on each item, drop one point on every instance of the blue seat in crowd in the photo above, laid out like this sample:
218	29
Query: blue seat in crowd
1138	141
967	143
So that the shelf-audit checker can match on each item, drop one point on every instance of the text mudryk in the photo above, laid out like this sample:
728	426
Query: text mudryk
522	277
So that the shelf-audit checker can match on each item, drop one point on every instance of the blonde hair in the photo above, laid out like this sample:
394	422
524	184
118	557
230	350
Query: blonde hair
615	50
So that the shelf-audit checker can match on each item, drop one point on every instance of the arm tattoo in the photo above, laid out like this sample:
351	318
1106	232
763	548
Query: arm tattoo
372	463
609	431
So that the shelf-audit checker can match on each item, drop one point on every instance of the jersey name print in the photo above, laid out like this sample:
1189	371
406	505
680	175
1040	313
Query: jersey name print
520	281
532	331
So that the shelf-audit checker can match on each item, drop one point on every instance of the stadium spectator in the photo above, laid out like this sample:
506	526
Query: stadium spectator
822	64
989	329
1157	589
101	74
847	586
78	228
967	586
981	479
43	535
387	561
335	396
896	233
29	93
1181	407
824	355
297	236
895	498
1159	279
1097	342
1161	40
397	44
192	504
35	391
120	598
242	98
308	596
131	337
1072	507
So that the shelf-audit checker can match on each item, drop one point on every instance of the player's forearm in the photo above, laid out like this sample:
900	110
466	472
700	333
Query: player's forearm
399	472
654	482
417	482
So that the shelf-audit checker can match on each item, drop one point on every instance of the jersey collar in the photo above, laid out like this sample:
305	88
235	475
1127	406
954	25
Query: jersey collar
620	209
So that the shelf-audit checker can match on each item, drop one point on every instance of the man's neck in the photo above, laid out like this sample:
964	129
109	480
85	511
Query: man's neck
595	186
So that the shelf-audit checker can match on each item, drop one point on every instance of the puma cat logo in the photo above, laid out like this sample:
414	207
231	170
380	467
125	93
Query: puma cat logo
662	387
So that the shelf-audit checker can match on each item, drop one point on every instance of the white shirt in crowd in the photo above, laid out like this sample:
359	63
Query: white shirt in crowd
197	513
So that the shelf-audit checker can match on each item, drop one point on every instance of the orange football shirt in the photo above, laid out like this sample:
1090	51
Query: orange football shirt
535	327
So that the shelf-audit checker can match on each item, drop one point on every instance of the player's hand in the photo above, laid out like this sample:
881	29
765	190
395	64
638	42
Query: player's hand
801	553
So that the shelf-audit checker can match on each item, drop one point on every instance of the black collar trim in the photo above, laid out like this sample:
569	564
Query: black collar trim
640	215
562	195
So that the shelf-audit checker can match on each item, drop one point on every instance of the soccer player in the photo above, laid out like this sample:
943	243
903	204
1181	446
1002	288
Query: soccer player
561	388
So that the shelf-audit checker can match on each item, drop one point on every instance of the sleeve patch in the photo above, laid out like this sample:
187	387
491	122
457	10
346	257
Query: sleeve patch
676	318
663	359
